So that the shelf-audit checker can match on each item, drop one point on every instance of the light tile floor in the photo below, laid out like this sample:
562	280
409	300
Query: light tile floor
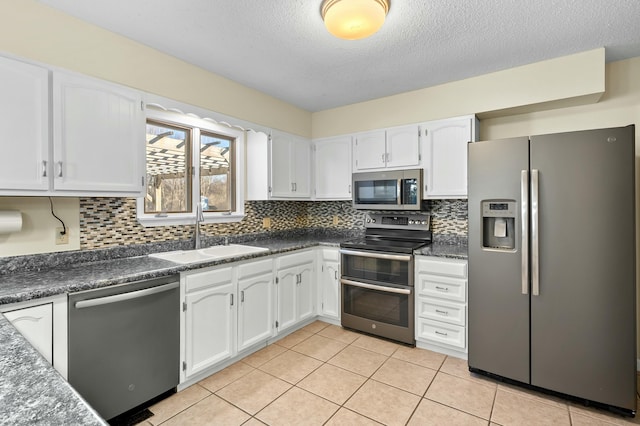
325	375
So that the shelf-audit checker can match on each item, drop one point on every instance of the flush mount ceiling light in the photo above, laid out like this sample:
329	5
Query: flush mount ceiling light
354	19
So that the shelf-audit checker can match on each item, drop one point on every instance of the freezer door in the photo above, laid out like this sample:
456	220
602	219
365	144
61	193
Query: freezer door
498	309
583	320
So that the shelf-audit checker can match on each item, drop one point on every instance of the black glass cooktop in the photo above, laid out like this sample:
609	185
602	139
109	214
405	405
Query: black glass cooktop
387	245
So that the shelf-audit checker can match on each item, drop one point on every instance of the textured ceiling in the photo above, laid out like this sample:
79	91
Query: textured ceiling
281	47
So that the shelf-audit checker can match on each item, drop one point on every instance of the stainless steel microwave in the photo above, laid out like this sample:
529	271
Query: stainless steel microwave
388	190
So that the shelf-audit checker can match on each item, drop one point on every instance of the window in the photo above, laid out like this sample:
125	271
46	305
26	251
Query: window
189	161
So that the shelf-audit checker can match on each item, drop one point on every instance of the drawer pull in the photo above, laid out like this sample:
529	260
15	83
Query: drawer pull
441	333
441	312
442	288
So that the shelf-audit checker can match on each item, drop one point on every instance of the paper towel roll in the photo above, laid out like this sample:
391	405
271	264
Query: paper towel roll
10	221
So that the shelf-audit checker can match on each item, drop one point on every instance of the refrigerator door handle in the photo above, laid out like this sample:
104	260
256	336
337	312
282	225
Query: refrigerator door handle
535	258
524	199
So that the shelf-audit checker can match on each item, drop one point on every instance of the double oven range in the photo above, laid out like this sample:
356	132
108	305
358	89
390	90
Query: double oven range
377	277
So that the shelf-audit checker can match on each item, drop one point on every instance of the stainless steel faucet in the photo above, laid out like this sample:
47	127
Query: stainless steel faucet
199	219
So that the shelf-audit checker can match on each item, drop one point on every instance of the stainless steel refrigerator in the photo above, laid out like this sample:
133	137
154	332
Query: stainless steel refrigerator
552	299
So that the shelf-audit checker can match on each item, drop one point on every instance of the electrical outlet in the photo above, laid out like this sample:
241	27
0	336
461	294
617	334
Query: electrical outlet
266	222
336	220
62	239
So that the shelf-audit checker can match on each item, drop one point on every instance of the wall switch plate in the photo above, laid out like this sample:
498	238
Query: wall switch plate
62	239
266	222
336	220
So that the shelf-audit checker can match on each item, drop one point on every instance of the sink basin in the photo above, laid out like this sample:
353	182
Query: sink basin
184	257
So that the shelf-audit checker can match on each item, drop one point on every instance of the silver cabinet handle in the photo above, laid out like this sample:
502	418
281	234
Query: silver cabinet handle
535	239
524	194
231	299
383	155
387	157
375	255
59	168
349	189
44	168
242	296
292	187
335	274
376	287
441	333
442	288
125	296
438	311
295	187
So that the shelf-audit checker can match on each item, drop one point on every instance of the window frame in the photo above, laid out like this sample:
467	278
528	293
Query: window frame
197	124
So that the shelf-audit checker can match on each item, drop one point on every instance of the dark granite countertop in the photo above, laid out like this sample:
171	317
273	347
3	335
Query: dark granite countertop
31	391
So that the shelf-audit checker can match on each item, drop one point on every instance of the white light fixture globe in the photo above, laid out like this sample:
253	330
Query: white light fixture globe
354	19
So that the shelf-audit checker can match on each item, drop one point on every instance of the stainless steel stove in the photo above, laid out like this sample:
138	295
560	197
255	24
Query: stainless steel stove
377	278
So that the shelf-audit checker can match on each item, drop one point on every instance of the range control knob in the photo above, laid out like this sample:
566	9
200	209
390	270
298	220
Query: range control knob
411	222
373	220
368	220
424	222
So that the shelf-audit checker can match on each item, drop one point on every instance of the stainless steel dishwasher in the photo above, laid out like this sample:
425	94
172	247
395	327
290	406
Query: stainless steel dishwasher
124	343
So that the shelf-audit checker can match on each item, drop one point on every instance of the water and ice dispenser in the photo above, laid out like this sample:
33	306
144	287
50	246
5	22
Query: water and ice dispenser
498	224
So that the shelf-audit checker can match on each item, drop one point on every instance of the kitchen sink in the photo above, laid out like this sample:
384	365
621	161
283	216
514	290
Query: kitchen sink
184	257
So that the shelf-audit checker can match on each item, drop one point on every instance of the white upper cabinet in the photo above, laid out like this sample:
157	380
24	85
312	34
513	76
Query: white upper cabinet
332	168
397	147
257	166
290	166
98	136
24	124
403	146
445	156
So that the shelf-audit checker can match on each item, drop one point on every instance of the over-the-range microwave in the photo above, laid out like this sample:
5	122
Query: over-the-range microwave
388	190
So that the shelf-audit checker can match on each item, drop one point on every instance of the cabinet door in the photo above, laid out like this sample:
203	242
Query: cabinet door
98	136
257	166
255	319
369	151
445	152
287	291
36	325
301	176
330	289
333	168
209	327
24	123
305	290
403	146
281	183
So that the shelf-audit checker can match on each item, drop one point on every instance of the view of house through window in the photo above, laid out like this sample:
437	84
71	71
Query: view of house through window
171	181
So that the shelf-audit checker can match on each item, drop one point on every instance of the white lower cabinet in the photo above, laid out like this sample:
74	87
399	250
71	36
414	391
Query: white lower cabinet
441	304
44	324
329	283
295	284
255	313
209	319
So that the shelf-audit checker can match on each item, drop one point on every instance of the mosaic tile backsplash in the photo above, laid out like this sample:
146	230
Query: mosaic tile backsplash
110	222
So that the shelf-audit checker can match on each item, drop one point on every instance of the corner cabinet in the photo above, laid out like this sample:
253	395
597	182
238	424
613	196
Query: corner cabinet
295	283
332	168
98	136
444	148
441	305
290	166
385	149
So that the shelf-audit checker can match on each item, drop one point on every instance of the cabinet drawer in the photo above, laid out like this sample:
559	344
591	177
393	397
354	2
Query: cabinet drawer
442	287
441	333
257	267
451	267
439	310
210	278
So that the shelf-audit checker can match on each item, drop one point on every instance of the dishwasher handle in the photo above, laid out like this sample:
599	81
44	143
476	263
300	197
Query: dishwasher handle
125	296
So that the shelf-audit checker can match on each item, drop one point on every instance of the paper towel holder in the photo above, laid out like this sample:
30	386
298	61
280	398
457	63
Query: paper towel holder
10	221
498	224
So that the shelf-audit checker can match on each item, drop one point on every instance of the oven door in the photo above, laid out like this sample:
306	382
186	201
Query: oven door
383	310
377	267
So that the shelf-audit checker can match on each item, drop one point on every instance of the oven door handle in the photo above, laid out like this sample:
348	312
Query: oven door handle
376	255
376	287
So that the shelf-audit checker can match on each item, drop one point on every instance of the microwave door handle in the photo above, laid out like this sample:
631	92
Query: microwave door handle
399	192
